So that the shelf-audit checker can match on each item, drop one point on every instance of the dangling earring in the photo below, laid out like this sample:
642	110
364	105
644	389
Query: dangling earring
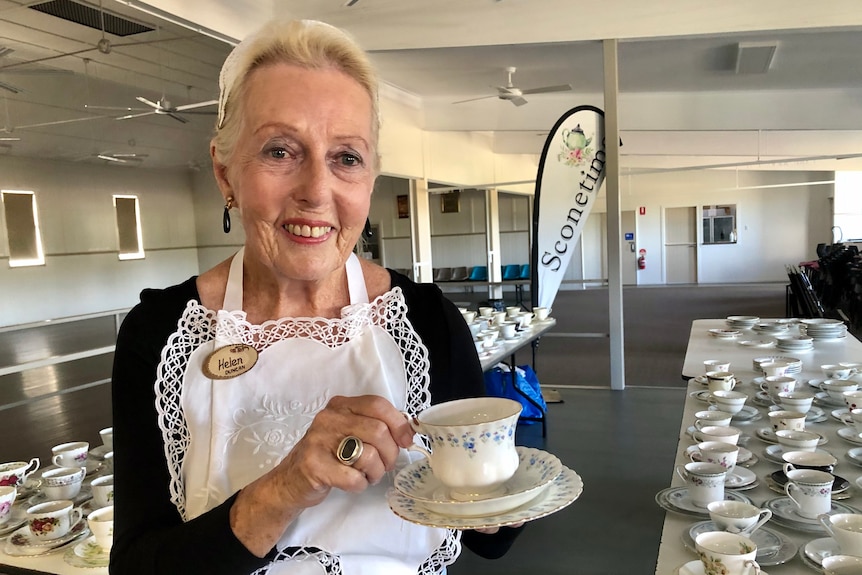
225	221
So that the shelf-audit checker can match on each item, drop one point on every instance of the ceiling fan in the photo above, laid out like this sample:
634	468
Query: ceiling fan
514	94
164	107
104	45
116	157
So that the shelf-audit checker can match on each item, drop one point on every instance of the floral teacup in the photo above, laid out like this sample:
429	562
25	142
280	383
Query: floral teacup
16	472
472	444
8	493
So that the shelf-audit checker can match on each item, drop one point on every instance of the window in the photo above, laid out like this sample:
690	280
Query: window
719	224
22	228
131	245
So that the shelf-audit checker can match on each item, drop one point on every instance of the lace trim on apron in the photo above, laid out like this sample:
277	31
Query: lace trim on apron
198	326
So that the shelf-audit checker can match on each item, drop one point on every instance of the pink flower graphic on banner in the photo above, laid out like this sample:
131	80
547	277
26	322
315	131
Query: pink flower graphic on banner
575	149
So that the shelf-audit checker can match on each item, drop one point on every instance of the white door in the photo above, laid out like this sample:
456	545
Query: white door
680	245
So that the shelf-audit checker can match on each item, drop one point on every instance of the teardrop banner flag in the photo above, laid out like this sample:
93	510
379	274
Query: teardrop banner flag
571	172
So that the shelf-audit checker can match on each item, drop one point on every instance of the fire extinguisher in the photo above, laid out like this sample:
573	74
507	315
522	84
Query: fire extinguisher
642	259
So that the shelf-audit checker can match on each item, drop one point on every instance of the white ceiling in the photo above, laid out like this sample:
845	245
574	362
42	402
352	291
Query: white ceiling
681	103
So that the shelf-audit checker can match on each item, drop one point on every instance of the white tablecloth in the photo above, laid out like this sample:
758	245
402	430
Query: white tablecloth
702	346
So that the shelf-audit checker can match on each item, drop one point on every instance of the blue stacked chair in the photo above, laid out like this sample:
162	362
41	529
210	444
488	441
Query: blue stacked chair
525	272
511	272
479	274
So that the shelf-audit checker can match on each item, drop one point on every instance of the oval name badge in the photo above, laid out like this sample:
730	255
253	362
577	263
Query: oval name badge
230	361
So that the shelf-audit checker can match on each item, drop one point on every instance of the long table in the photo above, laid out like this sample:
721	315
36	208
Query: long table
702	346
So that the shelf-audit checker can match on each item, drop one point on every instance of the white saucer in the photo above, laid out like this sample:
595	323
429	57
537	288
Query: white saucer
837	413
766	434
567	487
696	568
98	453
18	518
739	477
725	333
850	435
757	342
85	494
854	456
813	415
825	399
773	548
744	455
86	554
702	395
22	543
676	499
747	413
785	513
819	549
701	379
774	452
536	471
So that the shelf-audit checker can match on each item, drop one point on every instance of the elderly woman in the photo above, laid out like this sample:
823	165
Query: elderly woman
259	407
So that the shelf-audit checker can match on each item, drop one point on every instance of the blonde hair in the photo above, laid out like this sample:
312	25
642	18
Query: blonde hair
305	43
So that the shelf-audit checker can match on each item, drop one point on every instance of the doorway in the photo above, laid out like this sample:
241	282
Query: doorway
680	245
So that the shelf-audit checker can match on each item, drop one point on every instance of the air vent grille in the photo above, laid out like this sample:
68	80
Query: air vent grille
90	16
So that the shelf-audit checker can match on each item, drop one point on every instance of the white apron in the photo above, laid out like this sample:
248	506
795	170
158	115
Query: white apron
220	435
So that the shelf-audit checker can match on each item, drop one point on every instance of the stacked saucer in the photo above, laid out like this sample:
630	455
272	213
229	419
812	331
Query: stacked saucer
823	329
742	321
541	486
725	333
795	343
794	365
770	328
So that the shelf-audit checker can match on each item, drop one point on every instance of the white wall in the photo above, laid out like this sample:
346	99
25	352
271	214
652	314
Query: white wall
776	225
82	273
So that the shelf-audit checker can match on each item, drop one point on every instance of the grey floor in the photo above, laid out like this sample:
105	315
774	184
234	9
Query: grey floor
621	443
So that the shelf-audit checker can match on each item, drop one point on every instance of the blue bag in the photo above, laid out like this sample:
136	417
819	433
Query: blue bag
498	383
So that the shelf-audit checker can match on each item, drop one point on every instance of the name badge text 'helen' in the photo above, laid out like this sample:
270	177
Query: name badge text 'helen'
230	361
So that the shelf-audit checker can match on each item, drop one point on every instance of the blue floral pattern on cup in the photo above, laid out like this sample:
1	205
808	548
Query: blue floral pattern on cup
468	441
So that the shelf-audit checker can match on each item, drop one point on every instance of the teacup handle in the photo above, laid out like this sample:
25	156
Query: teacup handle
765	515
825	520
680	470
414	425
787	488
752	567
788	467
75	516
35	463
696	435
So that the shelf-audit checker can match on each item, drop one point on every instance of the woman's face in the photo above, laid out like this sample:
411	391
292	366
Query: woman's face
302	170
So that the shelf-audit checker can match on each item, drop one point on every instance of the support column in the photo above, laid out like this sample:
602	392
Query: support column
492	235
612	191
420	231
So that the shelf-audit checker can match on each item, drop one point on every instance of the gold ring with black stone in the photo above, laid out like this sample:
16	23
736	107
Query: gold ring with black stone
349	450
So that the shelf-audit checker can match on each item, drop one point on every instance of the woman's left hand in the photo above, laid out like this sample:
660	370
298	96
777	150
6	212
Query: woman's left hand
492	530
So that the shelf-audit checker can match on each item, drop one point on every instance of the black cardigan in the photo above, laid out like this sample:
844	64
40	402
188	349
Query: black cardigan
150	538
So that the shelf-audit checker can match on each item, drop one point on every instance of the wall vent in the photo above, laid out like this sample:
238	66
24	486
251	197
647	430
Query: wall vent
91	16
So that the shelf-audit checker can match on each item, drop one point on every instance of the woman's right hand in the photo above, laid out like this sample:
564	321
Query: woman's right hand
303	479
312	467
